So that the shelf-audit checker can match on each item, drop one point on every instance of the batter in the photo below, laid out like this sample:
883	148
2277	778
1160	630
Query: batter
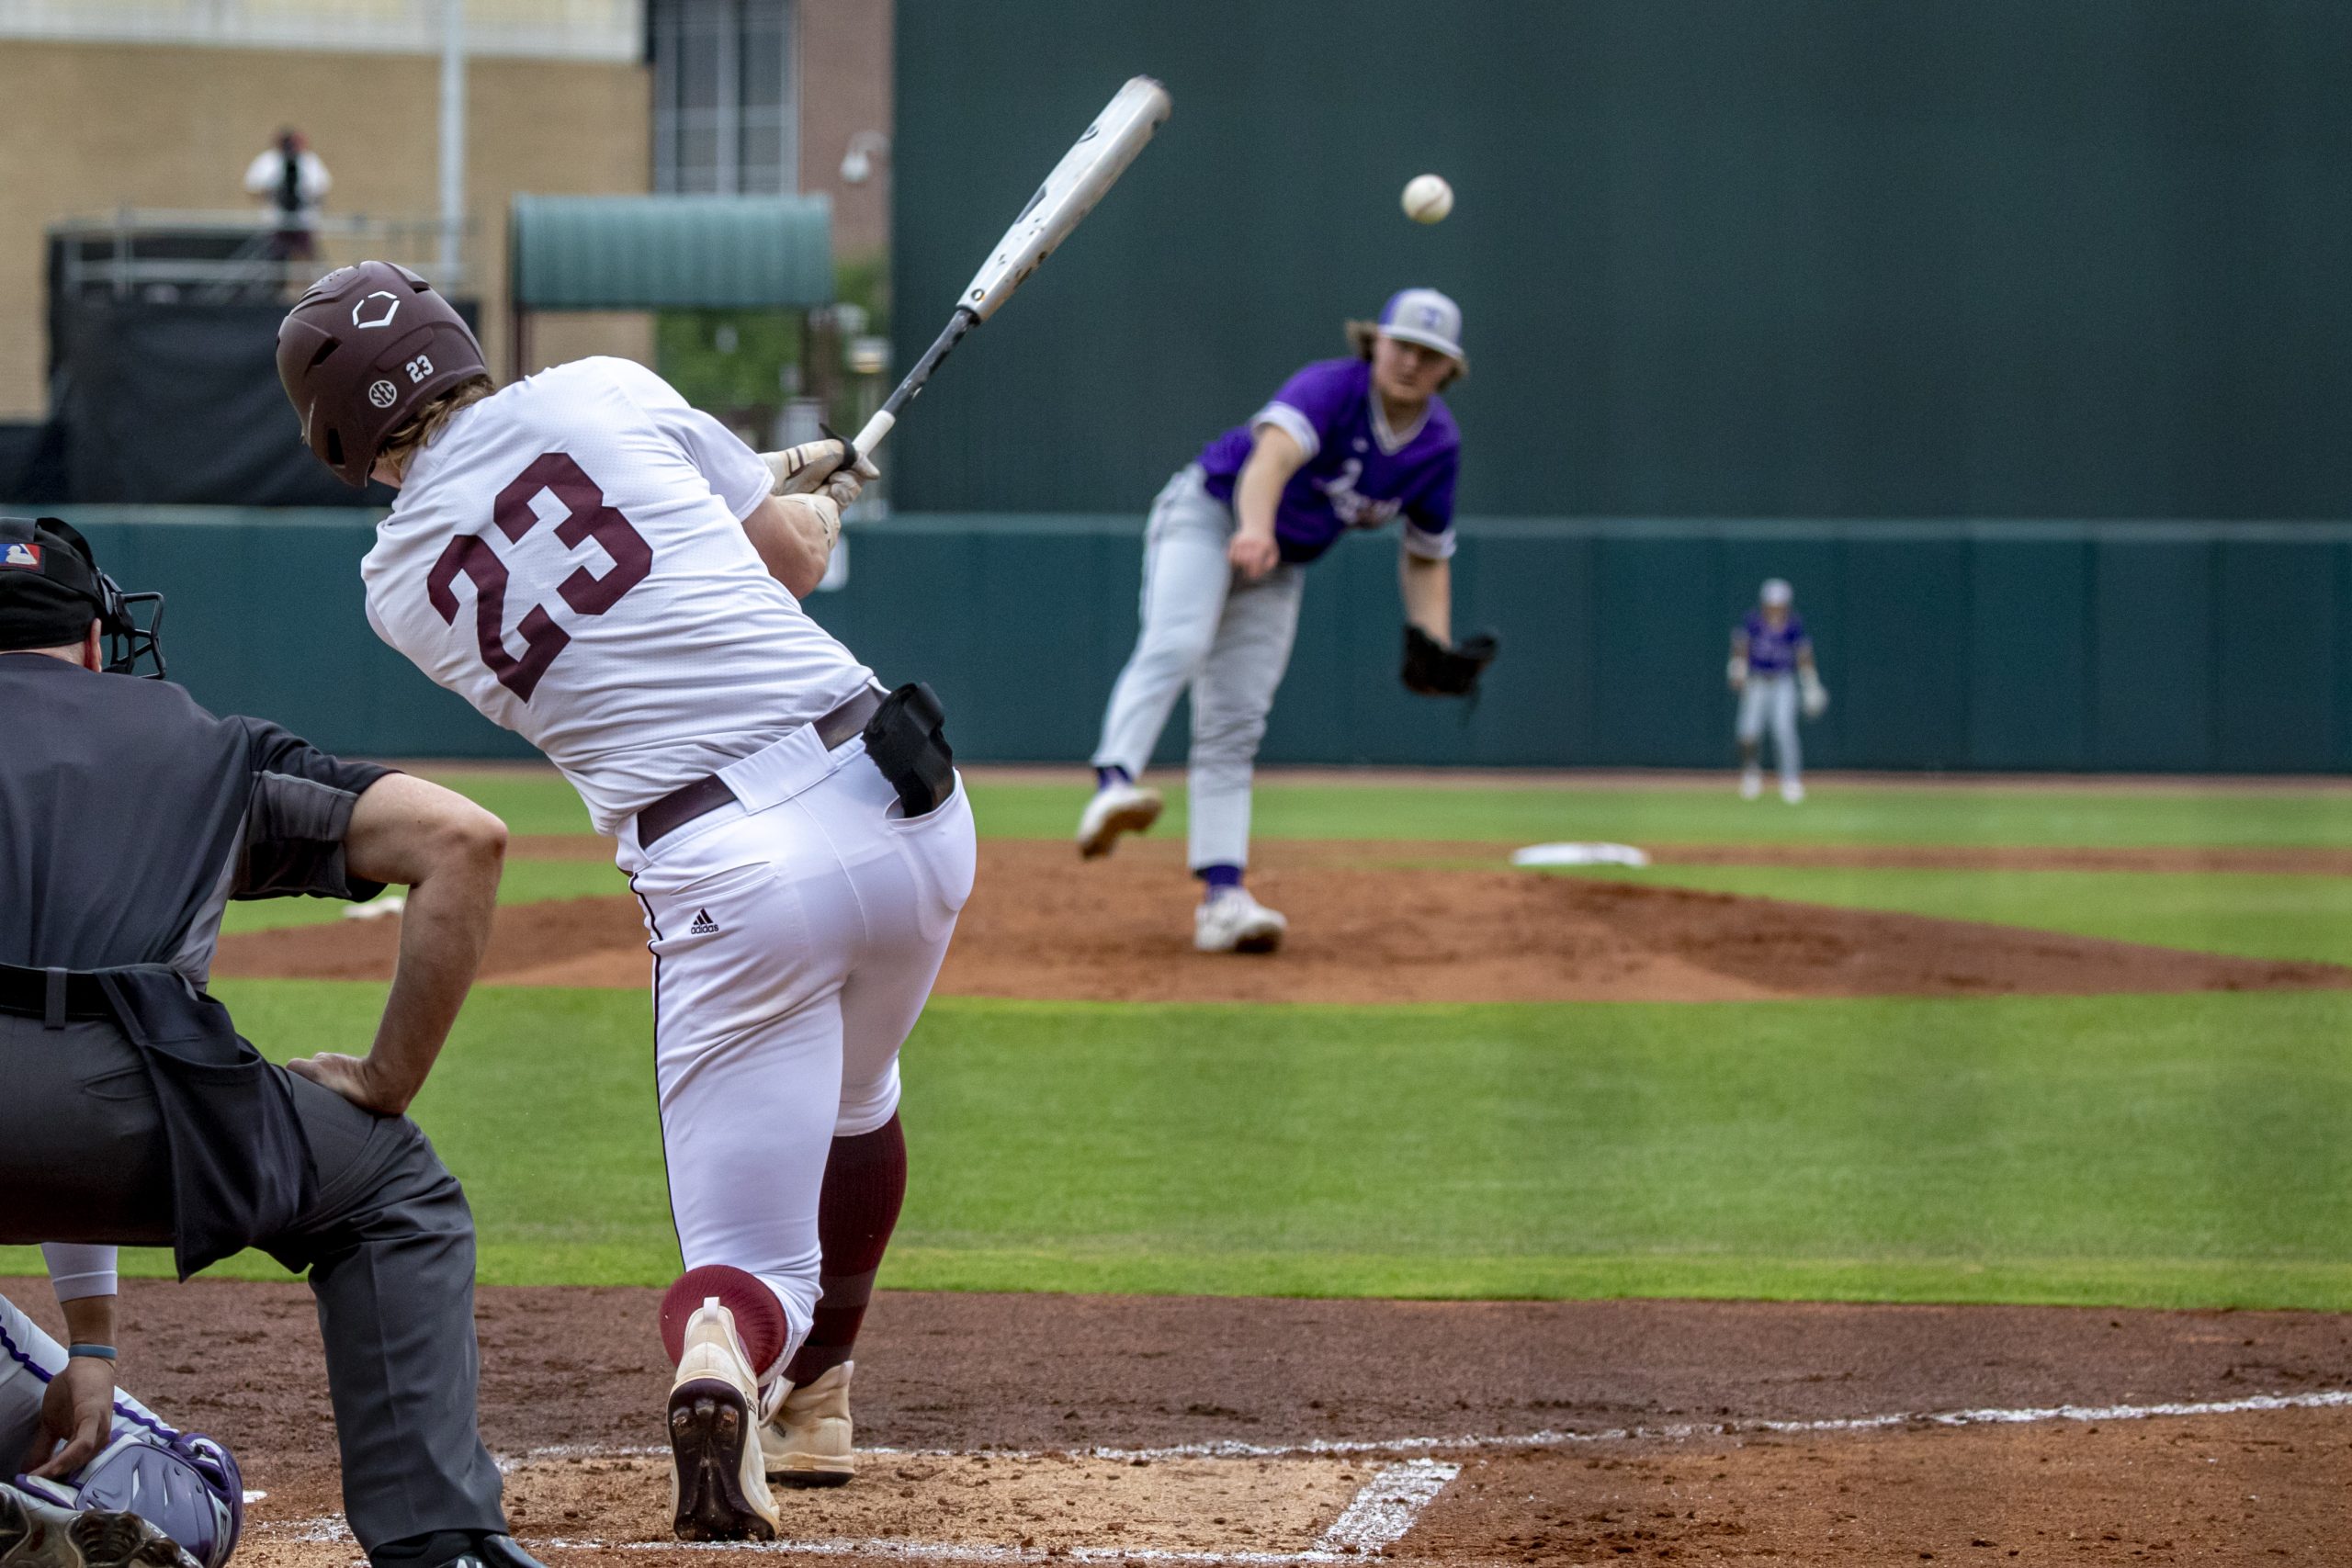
1771	670
613	576
1345	443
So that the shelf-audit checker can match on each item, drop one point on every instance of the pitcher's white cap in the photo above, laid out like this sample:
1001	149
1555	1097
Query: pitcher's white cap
1426	317
1776	591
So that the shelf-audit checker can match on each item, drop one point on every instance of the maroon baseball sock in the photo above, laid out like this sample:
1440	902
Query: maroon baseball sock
760	1322
865	1180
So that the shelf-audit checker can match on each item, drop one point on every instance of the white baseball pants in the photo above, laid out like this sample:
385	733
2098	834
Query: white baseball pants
1772	699
796	935
1228	639
29	1359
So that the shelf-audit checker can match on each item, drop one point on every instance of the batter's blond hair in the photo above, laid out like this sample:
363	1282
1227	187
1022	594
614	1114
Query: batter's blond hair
426	426
1362	336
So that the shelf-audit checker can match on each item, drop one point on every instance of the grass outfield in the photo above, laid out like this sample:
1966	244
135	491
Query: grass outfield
2156	1151
1836	813
526	881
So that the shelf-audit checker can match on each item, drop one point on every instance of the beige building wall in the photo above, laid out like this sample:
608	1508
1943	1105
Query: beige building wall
91	127
845	86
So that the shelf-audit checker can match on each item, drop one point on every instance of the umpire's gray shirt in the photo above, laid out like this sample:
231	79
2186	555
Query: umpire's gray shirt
129	817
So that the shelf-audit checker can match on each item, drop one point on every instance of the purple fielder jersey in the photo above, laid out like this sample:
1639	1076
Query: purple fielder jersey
1772	650
1358	473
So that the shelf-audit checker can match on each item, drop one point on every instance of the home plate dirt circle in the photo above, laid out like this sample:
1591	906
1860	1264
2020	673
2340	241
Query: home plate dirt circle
975	1507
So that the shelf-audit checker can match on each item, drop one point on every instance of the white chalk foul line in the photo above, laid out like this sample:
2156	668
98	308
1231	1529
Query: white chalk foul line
1379	1514
2324	1399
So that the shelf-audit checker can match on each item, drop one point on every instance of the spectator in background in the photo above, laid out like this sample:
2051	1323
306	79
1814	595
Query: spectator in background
292	179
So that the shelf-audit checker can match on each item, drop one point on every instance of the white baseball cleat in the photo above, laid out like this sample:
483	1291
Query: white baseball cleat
1232	922
1116	808
1791	792
718	1487
808	1440
1751	783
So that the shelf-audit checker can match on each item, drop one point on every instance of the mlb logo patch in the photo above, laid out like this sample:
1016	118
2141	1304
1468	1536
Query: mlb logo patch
24	557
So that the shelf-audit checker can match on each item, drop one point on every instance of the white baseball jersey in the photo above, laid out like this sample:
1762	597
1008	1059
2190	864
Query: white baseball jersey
568	557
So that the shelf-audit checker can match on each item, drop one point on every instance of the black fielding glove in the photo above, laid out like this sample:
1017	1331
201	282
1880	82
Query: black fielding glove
1434	670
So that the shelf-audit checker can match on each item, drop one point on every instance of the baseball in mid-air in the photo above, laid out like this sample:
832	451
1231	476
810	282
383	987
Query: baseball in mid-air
1428	199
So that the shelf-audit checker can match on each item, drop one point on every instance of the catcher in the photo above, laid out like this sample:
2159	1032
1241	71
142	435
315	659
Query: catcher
1345	443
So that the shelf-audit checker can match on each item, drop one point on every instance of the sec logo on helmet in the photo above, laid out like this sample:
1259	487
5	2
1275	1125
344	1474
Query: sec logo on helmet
382	394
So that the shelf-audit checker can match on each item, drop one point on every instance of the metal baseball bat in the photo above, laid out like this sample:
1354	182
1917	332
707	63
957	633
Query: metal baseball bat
1093	165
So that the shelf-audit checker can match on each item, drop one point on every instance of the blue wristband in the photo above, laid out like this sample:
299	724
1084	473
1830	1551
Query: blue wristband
94	1352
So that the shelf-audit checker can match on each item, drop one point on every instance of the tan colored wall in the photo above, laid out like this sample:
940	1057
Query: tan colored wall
91	127
845	69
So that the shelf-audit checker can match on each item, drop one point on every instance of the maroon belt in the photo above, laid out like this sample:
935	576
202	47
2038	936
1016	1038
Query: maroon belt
705	795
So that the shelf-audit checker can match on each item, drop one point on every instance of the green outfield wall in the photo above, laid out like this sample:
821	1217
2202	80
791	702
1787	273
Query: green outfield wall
1719	258
1997	645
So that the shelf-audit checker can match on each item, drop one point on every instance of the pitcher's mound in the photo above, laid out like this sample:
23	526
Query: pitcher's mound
1370	922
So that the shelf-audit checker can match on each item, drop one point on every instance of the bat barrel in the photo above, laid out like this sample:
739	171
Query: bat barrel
1093	164
1095	161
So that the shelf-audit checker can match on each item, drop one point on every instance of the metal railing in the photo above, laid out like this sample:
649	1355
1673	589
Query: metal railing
212	257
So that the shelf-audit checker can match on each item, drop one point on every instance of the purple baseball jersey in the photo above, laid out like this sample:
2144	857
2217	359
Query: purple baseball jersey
1359	473
1772	650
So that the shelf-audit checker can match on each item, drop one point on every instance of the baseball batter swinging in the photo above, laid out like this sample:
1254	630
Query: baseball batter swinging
613	575
1345	443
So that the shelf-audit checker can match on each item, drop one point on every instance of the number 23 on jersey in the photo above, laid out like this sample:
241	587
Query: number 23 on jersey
587	516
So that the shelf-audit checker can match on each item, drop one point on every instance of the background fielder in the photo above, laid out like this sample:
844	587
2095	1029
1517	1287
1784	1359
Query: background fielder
1345	443
602	568
1772	668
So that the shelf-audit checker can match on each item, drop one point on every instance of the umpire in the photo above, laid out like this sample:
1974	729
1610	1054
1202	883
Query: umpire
131	1111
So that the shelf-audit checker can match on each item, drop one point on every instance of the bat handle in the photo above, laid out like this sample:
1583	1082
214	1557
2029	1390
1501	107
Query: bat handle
870	434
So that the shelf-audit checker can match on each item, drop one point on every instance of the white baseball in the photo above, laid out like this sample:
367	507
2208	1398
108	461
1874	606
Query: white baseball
1428	199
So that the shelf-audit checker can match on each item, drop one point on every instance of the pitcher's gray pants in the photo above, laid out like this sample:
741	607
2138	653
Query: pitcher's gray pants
1228	639
388	1240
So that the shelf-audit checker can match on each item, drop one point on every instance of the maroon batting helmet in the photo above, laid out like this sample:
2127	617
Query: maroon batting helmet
361	352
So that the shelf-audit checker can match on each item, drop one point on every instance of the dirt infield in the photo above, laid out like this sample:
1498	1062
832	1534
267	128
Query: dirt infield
1371	923
1455	1433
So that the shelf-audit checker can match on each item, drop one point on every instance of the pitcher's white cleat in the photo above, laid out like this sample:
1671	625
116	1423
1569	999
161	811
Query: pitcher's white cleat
1751	783
1232	922
1116	808
718	1487
1792	791
808	1440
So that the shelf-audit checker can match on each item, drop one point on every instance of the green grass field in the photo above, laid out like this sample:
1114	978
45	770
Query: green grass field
1903	814
2160	1151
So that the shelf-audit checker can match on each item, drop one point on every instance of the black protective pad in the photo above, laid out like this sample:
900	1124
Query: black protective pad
907	741
181	404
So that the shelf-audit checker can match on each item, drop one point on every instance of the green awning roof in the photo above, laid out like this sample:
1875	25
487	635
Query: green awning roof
637	253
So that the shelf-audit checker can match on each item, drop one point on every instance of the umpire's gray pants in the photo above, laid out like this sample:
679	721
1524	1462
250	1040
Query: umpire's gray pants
1229	639
388	1236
